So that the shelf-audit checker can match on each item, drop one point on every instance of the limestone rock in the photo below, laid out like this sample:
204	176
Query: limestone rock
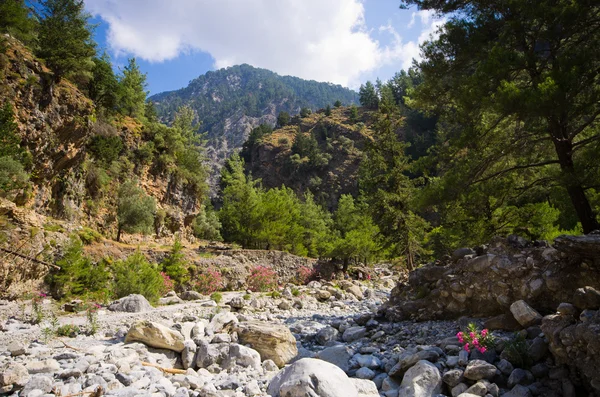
479	369
14	374
190	295
421	380
155	335
272	341
587	298
339	356
311	377
365	388
134	303
221	322
43	367
525	314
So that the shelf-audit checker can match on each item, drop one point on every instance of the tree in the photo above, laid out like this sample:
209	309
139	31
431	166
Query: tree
103	86
283	119
132	90
16	21
305	112
206	225
521	83
353	114
317	224
9	141
135	275
135	212
368	96
337	104
65	38
175	266
12	157
328	111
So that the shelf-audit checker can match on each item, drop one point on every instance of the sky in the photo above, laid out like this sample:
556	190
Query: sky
344	42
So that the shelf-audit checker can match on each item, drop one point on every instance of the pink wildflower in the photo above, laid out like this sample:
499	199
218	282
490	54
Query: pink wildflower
472	334
476	341
482	349
484	332
466	346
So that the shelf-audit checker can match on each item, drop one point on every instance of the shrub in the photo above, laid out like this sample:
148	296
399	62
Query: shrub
89	236
207	225
517	353
167	283
295	292
135	213
68	330
135	275
475	339
208	281
283	141
36	308
274	294
262	279
305	275
217	297
106	148
175	266
247	297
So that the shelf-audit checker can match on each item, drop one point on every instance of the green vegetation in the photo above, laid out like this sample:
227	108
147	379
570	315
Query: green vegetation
131	98
68	330
15	20
175	266
136	210
135	275
217	297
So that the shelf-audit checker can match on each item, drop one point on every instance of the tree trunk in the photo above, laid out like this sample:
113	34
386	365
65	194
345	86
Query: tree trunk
119	234
587	217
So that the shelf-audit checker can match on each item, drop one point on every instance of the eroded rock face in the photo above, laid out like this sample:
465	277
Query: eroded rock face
311	377
272	341
155	335
506	271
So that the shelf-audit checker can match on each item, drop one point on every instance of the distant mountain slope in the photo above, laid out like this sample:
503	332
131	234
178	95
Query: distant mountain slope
232	101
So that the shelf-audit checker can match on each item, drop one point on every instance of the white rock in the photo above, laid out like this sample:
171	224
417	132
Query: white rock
421	380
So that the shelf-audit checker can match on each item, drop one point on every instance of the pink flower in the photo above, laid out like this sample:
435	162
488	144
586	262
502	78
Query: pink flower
466	346
472	334
484	332
482	349
475	341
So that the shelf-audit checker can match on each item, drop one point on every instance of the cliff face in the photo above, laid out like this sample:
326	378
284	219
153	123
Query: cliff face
328	171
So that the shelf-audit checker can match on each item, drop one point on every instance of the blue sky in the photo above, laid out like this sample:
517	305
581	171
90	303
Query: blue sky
341	41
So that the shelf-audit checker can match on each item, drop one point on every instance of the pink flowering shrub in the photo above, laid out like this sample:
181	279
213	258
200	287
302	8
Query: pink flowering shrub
305	275
475	339
262	279
208	282
167	283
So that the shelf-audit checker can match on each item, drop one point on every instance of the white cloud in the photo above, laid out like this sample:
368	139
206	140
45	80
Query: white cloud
324	40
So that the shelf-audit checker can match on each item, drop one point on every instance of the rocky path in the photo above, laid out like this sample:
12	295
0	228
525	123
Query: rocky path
331	339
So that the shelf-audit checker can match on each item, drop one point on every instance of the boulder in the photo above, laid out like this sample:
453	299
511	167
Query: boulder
134	303
356	291
221	322
14	374
48	366
354	333
339	356
242	356
311	377
587	298
479	369
504	322
525	314
272	341
155	335
365	388
421	380
326	335
190	295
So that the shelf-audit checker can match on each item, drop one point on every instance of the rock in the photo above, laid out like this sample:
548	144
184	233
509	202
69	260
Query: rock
188	354
367	360
587	298
272	341
49	366
408	359
284	305
505	322
190	295
461	253
209	354
354	333
16	348
458	389
242	356
463	358
538	349
525	314
252	388
170	300
365	373
155	335
337	355
237	302
14	374
421	380
518	377
478	389
323	295
356	291
505	367
453	377
134	303
479	369
566	309
365	388
518	391
37	382
326	335
221	322
311	377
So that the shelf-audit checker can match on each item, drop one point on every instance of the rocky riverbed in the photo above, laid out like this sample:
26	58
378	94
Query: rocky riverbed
319	340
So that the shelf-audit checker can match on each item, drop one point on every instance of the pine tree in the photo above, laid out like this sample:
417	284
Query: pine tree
16	21
328	111
283	119
102	87
135	212
132	90
337	104
368	96
65	38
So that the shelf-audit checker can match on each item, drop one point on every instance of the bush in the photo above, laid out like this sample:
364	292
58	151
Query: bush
207	225
135	275
262	279
217	297
305	275
68	330
247	297
208	281
135	213
175	266
295	292
12	174
89	236
106	148
167	284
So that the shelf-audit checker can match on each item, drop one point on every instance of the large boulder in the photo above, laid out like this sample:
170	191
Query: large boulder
421	380
221	322
155	335
13	376
525	314
311	377
134	303
272	341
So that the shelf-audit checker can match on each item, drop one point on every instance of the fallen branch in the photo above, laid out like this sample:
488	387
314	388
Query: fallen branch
29	258
165	370
71	347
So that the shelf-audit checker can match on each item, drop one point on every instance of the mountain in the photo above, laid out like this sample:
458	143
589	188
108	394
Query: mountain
232	101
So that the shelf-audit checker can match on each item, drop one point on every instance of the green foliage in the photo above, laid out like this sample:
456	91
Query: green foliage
175	265
135	212
516	352
68	330
283	119
306	154
337	104
217	297
135	275
12	175
207	225
78	275
103	86
106	148
15	20
247	297
368	96
132	91
328	111
353	114
305	112
255	138
65	38
89	236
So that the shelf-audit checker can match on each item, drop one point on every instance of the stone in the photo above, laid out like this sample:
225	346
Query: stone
518	391
134	303
458	389
337	355
367	360
365	388
311	377
190	295
421	380
43	367
463	358
538	349
478	389
221	322
525	314
566	309
16	348
252	388
517	377
209	354
354	333
479	369
365	373
323	295
356	291
188	354
272	341
504	322
587	298
37	382
461	253
155	335
409	359
505	367
327	335
242	356
453	377
540	370
14	374
237	302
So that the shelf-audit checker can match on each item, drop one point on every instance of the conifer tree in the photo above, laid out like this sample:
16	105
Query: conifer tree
16	21
368	96
132	90
135	212
102	87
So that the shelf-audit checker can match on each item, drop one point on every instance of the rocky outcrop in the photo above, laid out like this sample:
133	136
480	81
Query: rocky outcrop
489	282
272	341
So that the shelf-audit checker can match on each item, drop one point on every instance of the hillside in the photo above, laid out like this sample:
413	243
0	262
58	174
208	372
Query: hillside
326	160
232	101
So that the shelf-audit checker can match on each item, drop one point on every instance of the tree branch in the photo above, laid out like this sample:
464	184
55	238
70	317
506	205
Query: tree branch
585	141
517	167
